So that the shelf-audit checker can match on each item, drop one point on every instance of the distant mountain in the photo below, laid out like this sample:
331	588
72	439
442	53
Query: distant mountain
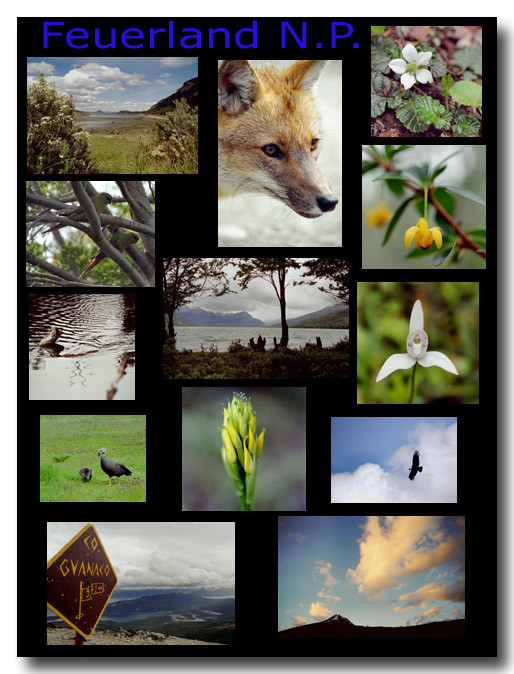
337	626
189	91
197	316
313	316
190	606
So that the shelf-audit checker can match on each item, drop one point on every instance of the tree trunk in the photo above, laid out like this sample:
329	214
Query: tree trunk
284	340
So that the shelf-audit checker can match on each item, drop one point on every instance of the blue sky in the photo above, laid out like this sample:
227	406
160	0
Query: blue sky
371	458
372	570
114	83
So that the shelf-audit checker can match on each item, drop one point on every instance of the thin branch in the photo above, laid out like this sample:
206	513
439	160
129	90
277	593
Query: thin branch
465	242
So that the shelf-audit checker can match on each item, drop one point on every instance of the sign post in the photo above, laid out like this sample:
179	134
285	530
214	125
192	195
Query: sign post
79	582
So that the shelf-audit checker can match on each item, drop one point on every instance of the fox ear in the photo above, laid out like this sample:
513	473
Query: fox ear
238	86
305	74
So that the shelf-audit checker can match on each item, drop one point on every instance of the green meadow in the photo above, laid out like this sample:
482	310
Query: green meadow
70	442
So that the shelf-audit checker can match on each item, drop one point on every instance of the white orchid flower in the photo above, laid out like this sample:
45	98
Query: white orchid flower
411	69
417	344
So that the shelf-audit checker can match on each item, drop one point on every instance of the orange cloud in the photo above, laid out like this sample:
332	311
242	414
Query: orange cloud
433	592
319	610
392	548
298	620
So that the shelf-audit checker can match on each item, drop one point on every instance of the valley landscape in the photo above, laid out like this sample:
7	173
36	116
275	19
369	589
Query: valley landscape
199	614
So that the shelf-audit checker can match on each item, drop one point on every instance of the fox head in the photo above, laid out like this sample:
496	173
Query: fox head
269	135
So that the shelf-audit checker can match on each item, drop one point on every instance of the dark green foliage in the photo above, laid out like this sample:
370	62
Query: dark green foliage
243	363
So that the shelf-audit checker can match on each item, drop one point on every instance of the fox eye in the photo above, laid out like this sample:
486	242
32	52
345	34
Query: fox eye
272	150
314	143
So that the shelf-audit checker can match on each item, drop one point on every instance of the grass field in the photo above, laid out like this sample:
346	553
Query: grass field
70	442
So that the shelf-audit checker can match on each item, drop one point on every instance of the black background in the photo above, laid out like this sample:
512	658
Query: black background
186	226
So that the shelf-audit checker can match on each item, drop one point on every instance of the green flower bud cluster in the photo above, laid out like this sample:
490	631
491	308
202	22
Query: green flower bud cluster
241	448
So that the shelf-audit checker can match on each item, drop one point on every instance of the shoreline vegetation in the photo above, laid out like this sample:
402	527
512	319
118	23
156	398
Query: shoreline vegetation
245	362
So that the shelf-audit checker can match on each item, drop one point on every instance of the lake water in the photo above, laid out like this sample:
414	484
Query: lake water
97	331
101	119
193	337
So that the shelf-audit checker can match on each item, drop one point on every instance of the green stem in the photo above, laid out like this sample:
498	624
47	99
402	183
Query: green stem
244	504
425	187
412	383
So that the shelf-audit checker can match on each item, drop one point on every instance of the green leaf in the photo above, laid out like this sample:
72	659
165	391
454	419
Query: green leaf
469	57
420	172
467	194
395	187
446	83
375	30
465	125
393	51
479	236
469	75
447	201
437	68
411	118
390	176
394	220
395	102
368	166
378	105
443	255
432	112
467	93
380	84
379	58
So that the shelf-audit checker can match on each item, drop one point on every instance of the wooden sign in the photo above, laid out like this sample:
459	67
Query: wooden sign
80	581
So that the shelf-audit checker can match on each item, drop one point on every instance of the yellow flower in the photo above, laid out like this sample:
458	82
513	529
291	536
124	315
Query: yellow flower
423	236
378	216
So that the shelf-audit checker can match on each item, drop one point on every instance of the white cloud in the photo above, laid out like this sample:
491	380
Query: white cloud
299	538
325	569
298	620
41	67
319	611
180	62
370	483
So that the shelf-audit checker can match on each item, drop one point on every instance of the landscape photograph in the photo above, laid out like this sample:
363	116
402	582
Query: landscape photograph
176	583
371	576
112	115
394	459
88	234
255	318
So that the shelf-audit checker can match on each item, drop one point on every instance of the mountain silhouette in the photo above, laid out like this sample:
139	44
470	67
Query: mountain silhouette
338	626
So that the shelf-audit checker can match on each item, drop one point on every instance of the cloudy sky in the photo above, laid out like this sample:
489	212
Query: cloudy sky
371	458
114	83
260	300
160	554
387	571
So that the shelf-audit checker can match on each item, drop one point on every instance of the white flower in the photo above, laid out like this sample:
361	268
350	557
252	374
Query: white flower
417	344
411	68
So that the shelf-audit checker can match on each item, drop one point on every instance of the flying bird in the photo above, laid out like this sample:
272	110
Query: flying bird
415	468
100	202
112	468
119	241
85	473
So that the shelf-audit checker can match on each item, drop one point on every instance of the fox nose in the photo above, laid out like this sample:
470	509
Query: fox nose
327	203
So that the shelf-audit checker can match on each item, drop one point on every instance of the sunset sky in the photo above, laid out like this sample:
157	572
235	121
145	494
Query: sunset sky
388	571
371	459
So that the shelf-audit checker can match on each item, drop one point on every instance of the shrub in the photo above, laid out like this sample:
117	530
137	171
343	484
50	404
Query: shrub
54	143
174	147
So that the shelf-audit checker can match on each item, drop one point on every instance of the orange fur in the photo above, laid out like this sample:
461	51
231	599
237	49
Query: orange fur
269	135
